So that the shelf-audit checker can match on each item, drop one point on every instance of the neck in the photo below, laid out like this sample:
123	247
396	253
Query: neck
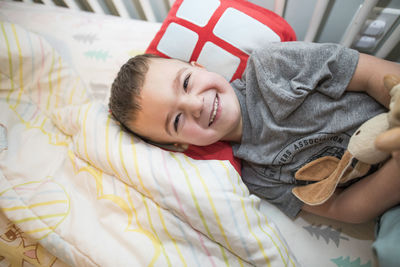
236	134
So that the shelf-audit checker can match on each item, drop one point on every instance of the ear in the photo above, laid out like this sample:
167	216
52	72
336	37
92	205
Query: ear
181	147
319	192
171	147
318	169
195	64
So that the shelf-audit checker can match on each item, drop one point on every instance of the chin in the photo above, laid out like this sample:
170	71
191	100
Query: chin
205	143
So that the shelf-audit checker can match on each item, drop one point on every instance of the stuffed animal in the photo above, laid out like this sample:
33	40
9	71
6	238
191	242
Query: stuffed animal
389	141
372	143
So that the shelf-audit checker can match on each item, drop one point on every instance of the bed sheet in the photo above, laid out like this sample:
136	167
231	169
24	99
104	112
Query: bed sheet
95	46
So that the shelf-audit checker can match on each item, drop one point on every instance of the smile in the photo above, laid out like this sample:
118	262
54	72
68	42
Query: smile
214	111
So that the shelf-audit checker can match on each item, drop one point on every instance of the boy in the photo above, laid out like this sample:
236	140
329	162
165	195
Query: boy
296	102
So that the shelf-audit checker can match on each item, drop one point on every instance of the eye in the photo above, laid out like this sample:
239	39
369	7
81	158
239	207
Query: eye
176	122
186	82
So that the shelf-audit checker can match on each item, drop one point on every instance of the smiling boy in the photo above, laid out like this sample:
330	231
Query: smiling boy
295	102
192	105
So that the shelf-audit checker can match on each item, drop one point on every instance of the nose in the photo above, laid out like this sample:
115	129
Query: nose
193	104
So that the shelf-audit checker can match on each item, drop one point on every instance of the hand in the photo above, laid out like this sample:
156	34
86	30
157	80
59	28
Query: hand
389	141
396	156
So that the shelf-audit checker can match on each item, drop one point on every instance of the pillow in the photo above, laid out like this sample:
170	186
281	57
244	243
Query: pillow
31	70
204	199
220	35
35	80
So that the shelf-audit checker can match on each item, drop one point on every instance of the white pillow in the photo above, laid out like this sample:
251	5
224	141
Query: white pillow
209	195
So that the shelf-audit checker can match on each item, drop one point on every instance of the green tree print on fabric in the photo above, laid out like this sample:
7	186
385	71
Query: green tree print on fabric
85	38
328	233
345	262
97	54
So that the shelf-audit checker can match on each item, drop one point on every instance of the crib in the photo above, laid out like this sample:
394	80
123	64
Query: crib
75	190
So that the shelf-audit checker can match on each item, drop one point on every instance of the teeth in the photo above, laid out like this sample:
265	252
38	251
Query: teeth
214	111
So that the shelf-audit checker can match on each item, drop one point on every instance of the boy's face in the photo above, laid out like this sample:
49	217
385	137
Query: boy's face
185	104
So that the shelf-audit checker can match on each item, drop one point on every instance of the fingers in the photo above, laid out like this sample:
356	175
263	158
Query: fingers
389	141
390	81
396	157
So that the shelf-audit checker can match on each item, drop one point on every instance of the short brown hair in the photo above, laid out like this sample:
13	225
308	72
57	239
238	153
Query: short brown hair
124	102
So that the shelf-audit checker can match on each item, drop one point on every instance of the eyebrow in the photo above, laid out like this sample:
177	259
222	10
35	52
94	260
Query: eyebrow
175	85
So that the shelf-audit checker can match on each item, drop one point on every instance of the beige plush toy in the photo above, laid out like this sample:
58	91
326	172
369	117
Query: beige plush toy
372	143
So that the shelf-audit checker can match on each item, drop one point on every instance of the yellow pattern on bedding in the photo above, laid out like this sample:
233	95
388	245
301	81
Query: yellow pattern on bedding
93	195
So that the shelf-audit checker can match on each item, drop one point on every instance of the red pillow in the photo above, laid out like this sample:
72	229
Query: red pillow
220	35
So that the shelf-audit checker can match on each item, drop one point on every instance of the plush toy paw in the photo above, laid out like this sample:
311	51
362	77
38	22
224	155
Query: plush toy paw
389	141
392	83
